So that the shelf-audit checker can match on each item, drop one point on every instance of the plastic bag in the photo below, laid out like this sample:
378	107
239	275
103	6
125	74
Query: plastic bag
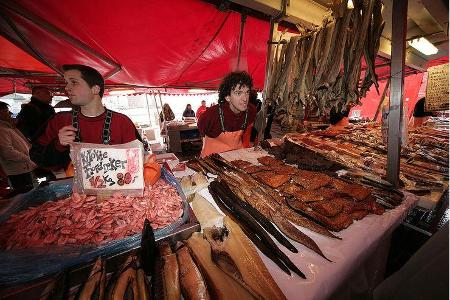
20	266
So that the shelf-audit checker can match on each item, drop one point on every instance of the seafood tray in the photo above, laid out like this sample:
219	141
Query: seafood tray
19	267
79	274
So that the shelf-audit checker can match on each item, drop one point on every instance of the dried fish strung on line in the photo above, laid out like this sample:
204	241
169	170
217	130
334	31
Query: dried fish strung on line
321	67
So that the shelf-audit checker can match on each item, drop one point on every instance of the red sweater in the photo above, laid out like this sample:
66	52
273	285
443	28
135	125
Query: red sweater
47	151
209	123
200	111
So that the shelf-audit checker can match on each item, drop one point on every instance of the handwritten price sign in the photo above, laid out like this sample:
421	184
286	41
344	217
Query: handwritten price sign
109	168
437	88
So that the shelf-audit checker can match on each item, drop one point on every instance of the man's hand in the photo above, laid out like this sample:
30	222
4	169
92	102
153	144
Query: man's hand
67	135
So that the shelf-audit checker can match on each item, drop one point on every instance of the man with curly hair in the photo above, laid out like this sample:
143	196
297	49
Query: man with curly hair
227	125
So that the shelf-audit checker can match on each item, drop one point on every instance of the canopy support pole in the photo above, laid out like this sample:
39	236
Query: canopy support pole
269	61
399	17
148	110
241	36
27	43
381	100
162	110
156	103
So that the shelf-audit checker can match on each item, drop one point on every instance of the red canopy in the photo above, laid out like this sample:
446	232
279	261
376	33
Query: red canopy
149	43
14	58
190	43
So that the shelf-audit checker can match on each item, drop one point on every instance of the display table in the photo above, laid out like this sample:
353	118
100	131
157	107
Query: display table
175	138
359	259
430	201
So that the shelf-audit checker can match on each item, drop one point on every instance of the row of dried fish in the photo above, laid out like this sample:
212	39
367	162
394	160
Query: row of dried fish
259	192
219	264
321	68
256	196
317	192
423	166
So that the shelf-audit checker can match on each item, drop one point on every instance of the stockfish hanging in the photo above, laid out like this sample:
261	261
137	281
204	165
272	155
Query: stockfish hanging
321	68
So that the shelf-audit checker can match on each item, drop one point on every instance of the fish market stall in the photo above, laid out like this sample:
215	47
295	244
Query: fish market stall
423	164
180	132
51	228
344	254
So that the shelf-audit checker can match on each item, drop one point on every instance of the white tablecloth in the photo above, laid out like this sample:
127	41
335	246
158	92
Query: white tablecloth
358	259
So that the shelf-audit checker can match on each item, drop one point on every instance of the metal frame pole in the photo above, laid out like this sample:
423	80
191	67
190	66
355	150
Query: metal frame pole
156	103
148	110
269	61
241	37
399	18
381	100
162	110
31	50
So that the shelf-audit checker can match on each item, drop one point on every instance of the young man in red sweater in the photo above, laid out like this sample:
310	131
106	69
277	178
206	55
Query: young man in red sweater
88	122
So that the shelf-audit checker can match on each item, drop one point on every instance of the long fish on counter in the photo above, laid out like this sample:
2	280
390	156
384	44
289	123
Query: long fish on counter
285	226
193	285
222	286
236	256
254	231
265	200
94	287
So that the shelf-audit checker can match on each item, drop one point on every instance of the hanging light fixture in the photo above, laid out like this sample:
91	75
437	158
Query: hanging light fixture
350	4
423	45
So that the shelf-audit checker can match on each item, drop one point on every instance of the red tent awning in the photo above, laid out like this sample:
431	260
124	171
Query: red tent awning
190	44
12	57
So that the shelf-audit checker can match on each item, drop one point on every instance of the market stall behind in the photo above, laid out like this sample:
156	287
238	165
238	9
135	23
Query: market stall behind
318	253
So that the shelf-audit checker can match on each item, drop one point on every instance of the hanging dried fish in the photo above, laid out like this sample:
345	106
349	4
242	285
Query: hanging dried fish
352	94
330	29
371	49
321	68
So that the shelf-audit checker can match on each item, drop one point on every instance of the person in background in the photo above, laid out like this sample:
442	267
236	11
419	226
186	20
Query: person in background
34	115
201	109
420	116
168	114
188	112
88	122
14	158
227	125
